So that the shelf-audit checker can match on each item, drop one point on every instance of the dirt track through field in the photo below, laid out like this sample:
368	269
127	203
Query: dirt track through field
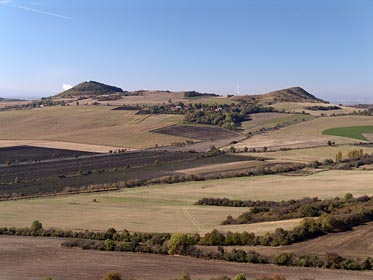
192	219
34	258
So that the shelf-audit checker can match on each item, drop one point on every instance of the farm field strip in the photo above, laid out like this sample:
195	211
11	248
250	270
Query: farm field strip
59	145
199	132
301	107
305	134
26	154
219	167
51	176
311	154
159	208
267	120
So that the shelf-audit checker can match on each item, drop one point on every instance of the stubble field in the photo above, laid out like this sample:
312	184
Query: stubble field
170	208
95	125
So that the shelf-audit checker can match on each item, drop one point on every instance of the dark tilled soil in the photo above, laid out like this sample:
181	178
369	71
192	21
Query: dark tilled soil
55	175
34	258
197	132
29	154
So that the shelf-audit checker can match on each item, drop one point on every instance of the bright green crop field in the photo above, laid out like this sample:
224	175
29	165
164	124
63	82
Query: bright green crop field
354	132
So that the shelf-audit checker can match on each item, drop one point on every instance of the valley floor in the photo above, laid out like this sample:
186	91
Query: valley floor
34	258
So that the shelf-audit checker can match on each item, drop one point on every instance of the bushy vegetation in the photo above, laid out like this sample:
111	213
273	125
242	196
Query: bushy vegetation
323	108
183	244
341	219
193	93
263	211
226	116
112	276
353	159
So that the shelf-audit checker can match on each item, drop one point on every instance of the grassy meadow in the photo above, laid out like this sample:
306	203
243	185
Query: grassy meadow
354	132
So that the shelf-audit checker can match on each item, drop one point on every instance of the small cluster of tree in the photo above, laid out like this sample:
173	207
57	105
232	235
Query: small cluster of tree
112	276
356	160
109	97
227	116
323	108
118	151
193	93
353	154
213	151
162	109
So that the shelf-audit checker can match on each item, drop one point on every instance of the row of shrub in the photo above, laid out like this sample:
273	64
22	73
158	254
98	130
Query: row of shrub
306	207
183	244
329	260
36	229
309	228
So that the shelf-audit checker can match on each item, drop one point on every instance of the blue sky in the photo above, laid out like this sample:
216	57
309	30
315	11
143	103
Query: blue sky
323	46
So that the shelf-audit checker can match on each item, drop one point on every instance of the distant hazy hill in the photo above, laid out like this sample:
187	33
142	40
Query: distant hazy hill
88	89
9	99
293	94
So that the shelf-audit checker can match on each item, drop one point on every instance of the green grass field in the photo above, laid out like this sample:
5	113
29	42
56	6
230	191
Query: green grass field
170	207
354	132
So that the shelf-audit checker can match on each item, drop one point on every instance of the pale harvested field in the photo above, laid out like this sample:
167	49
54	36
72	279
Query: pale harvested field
59	145
169	208
301	107
93	125
35	258
311	154
261	120
306	134
223	167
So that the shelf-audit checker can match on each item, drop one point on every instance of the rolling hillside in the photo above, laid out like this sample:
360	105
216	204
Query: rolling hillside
293	94
90	88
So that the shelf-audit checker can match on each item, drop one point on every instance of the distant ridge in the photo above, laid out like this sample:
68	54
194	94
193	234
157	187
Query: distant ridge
293	94
9	99
90	88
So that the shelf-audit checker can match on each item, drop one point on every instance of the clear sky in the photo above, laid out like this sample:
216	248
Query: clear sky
324	46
